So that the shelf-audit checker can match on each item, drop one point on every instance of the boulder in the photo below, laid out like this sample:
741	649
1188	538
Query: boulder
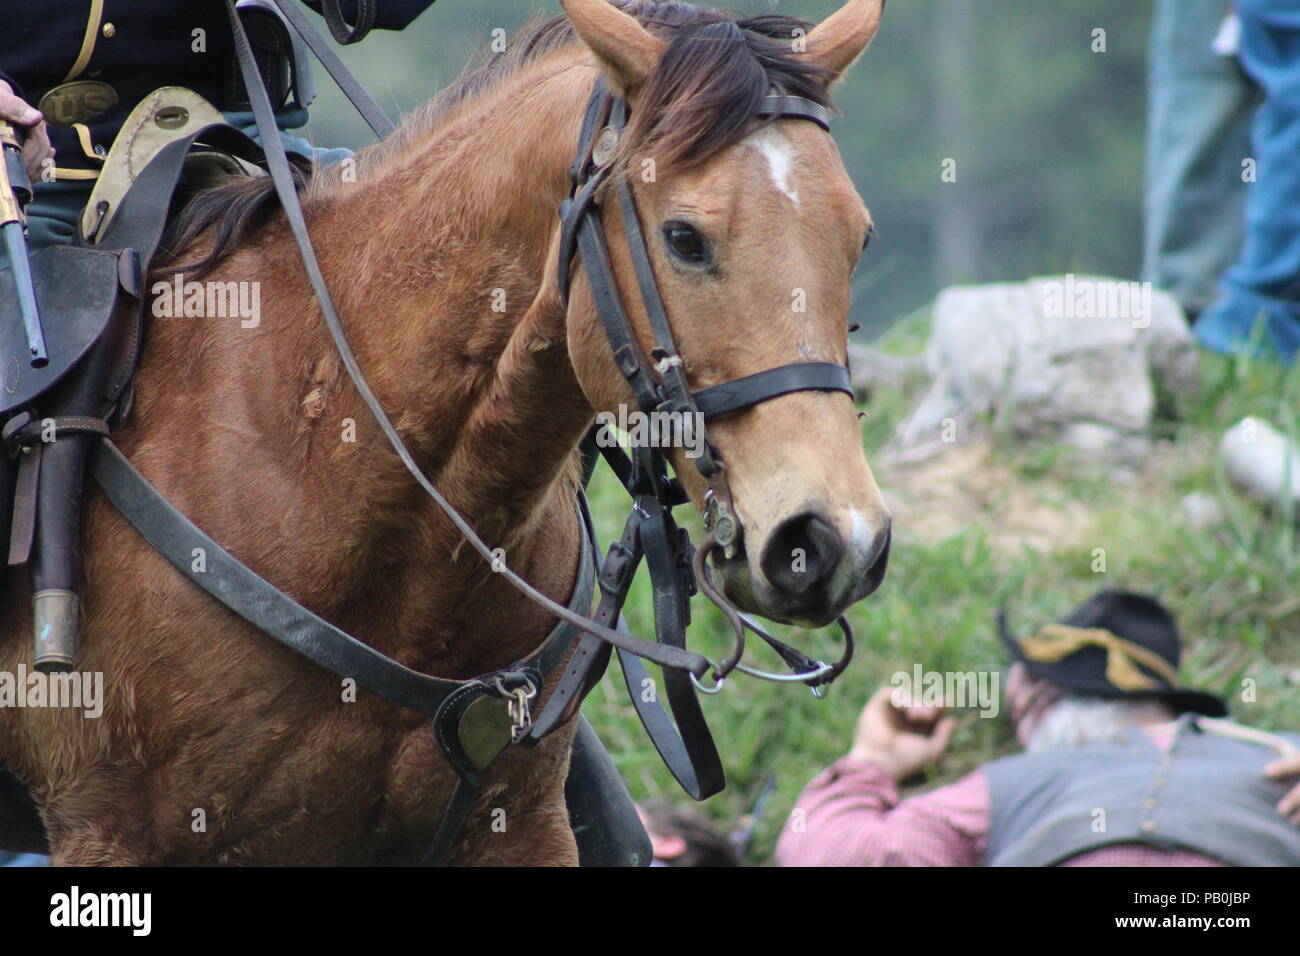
1071	358
1262	461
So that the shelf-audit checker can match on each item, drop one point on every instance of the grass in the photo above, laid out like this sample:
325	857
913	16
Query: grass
1231	583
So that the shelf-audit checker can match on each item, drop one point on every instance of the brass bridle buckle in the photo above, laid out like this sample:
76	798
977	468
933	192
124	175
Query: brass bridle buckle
719	520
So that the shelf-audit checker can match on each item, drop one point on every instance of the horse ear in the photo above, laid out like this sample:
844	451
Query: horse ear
627	50
840	39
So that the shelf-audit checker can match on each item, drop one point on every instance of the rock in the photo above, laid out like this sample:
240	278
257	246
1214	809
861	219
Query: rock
1202	509
1262	461
874	369
1171	347
1069	357
1101	442
940	415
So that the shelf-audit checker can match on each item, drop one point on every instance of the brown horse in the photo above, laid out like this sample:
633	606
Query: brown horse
440	244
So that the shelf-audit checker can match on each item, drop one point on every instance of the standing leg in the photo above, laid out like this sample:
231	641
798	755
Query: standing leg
1198	130
1264	286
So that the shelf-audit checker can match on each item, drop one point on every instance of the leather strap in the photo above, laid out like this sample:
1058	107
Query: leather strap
796	107
343	32
452	823
590	657
279	616
759	387
668	362
255	600
628	356
175	537
364	103
34	431
687	748
669	742
22	532
583	181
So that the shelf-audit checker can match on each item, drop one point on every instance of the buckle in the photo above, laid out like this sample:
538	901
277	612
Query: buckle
12	435
616	575
519	691
719	519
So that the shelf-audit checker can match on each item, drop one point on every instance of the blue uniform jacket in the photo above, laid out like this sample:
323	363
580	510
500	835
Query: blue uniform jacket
133	45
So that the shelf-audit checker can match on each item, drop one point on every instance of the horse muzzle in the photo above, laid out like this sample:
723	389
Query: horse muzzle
808	570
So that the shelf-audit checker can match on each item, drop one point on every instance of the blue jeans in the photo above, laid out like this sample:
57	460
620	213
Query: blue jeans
23	859
1264	285
1198	130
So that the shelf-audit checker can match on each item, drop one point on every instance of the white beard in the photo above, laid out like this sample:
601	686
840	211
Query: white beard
1076	721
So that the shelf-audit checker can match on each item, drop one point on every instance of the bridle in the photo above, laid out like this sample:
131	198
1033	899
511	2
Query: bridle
658	384
477	719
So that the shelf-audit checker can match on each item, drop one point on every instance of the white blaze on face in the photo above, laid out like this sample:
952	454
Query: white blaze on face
776	149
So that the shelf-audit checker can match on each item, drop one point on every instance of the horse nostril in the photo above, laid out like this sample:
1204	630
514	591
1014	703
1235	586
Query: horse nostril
802	554
876	574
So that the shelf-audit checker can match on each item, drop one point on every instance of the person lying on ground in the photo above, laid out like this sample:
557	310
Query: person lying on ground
1120	767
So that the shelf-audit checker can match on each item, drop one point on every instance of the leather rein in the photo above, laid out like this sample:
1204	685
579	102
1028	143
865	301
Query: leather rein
475	720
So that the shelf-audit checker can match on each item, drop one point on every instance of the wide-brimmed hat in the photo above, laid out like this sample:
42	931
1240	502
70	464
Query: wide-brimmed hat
1116	644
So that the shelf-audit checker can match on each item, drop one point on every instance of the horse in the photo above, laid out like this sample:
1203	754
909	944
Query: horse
218	746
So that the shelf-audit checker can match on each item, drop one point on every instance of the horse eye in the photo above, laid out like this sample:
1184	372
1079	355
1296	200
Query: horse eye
685	242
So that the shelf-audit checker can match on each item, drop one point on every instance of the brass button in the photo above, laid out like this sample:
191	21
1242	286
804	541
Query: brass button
1148	825
109	31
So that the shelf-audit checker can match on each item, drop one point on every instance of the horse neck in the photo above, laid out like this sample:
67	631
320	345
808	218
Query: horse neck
464	219
442	263
436	256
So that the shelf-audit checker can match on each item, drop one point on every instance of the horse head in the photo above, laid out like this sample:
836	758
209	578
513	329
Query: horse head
753	229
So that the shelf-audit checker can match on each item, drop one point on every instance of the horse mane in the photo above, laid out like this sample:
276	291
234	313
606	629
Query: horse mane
704	95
